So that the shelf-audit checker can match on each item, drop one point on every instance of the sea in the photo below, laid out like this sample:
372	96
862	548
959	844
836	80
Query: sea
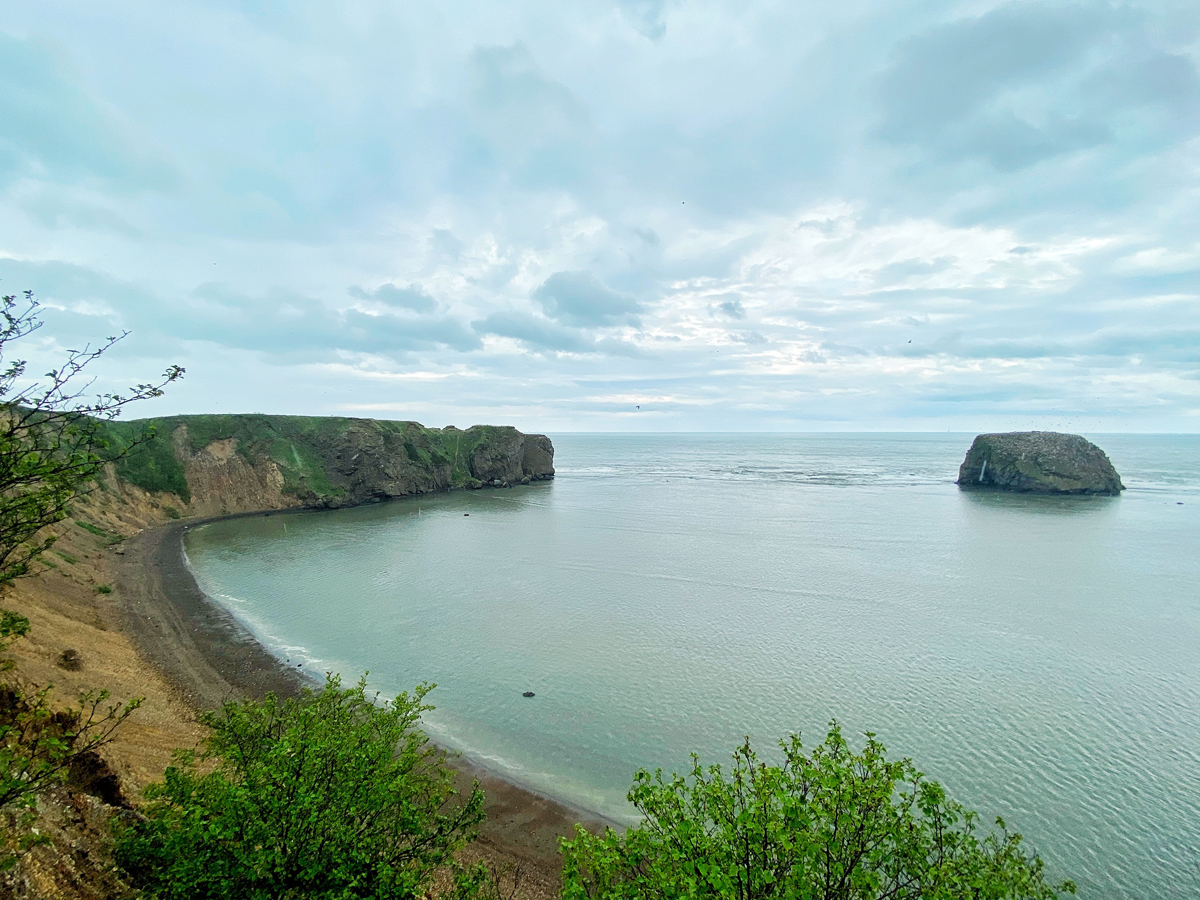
671	594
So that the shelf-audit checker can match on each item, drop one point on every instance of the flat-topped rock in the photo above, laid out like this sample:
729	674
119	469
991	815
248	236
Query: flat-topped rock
1038	462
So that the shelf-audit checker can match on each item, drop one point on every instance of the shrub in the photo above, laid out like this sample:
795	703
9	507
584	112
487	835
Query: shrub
832	824
324	796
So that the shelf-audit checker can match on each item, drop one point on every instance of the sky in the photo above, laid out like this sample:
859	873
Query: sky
640	215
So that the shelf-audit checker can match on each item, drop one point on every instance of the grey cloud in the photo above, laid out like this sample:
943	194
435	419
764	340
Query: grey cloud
445	245
1022	394
279	323
832	348
1010	143
647	17
538	334
286	324
386	333
53	128
527	127
1025	82
907	268
733	308
580	298
649	236
542	335
411	297
750	338
947	73
1166	345
1150	80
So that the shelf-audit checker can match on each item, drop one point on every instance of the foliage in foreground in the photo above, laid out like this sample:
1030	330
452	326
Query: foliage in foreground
324	796
831	824
52	446
39	744
53	441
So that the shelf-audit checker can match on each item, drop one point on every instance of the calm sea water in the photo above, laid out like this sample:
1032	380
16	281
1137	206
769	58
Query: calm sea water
669	594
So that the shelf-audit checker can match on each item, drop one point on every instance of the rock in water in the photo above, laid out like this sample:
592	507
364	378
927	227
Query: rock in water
1038	462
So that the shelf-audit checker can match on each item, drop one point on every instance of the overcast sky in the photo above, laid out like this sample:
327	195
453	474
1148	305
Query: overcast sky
866	215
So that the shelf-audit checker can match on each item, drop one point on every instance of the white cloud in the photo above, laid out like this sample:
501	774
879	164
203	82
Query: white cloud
775	215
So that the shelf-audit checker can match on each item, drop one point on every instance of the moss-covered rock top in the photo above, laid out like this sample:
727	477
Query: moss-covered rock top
326	461
1043	462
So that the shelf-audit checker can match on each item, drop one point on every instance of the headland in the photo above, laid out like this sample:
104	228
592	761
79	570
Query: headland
118	593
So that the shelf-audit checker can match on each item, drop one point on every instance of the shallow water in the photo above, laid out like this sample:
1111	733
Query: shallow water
671	593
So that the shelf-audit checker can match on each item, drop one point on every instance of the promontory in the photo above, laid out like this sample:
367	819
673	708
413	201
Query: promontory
218	464
1038	462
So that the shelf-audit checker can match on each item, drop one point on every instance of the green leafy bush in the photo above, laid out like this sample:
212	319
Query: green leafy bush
832	824
324	796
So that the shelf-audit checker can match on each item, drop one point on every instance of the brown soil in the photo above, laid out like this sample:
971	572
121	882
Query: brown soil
156	636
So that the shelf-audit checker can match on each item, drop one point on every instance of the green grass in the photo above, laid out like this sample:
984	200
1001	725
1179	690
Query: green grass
306	448
66	557
152	464
104	589
107	536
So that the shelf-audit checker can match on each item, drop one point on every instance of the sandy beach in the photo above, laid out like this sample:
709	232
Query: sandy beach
209	657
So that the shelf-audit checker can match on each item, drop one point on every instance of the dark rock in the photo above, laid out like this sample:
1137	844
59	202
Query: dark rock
508	455
1039	462
90	774
528	694
70	660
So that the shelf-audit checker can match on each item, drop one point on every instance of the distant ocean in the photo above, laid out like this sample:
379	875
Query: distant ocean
671	593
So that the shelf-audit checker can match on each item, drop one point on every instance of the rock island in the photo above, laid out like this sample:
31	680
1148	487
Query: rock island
1038	462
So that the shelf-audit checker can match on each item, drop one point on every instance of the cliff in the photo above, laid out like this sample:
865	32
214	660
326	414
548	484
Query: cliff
1042	462
94	599
217	464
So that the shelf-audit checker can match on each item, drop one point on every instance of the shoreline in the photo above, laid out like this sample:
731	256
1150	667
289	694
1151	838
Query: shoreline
209	656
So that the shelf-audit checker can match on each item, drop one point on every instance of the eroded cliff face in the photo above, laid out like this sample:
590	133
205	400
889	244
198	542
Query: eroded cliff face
1040	462
222	482
217	465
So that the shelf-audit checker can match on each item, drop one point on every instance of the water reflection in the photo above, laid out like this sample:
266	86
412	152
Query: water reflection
1039	504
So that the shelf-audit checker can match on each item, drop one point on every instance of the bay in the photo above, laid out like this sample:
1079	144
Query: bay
668	594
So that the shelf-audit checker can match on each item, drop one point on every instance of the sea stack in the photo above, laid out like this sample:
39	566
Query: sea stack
1038	462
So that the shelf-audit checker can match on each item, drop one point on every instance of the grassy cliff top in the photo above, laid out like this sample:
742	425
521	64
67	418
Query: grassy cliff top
304	447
